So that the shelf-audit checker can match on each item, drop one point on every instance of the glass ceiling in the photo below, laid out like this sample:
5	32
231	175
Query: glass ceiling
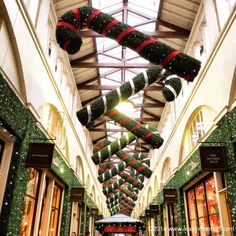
140	15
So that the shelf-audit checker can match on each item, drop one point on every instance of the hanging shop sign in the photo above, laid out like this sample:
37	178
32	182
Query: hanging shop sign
143	218
154	209
77	194
98	217
213	158
149	214
94	211
120	229
40	155
170	195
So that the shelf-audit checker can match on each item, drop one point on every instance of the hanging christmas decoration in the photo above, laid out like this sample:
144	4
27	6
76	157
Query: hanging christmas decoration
114	197
114	203
109	182
112	148
146	133
124	156
107	170
169	61
125	205
125	190
108	189
128	200
111	99
146	46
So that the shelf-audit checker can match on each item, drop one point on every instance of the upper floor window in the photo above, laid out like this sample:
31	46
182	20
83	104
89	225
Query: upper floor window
53	121
197	130
223	10
50	49
200	121
33	7
166	172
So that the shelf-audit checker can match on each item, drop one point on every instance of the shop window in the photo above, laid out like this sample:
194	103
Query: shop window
43	212
6	146
2	144
197	129
55	210
172	219
203	212
30	203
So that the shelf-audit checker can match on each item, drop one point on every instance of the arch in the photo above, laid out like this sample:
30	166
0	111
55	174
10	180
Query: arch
53	122
98	202
143	202
93	193
15	50
140	208
150	195
155	187
166	171
232	95
88	183
80	169
207	116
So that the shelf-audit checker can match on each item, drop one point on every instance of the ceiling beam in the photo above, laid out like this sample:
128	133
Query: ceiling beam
157	102
155	34
90	100
86	57
142	148
135	151
75	64
88	81
94	53
149	105
152	115
173	27
96	140
159	13
108	130
144	119
111	87
99	123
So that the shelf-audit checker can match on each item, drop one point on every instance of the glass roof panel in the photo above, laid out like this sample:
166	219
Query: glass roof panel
142	18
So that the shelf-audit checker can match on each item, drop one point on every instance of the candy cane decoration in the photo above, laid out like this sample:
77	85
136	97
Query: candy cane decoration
150	136
143	158
124	156
108	189
146	46
107	170
111	99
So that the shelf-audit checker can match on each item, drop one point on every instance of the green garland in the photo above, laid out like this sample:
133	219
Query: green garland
129	160
128	201
126	191
115	209
105	174
152	138
112	148
148	48
114	197
107	190
134	163
111	99
114	203
126	206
